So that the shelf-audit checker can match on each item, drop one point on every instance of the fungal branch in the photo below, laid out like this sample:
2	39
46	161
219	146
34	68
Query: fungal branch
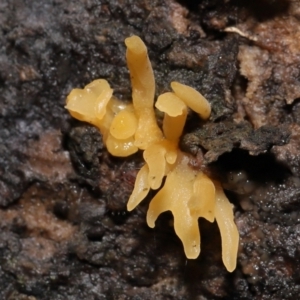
188	193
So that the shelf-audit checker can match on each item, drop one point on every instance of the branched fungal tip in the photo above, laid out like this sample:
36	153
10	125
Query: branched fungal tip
189	194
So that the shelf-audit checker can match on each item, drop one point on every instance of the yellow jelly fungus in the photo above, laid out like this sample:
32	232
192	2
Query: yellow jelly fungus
114	106
143	89
141	188
124	124
188	193
121	148
228	229
158	156
170	103
176	196
89	104
200	204
175	115
192	99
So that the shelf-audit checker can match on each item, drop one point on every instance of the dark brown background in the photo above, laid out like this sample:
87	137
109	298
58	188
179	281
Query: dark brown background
65	232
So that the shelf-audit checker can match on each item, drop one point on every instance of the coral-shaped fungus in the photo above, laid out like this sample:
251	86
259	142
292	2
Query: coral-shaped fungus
188	193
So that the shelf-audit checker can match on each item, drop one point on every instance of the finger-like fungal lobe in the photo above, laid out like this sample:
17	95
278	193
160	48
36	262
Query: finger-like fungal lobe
143	89
128	127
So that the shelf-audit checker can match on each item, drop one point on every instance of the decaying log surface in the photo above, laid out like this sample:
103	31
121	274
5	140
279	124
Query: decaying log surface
64	229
